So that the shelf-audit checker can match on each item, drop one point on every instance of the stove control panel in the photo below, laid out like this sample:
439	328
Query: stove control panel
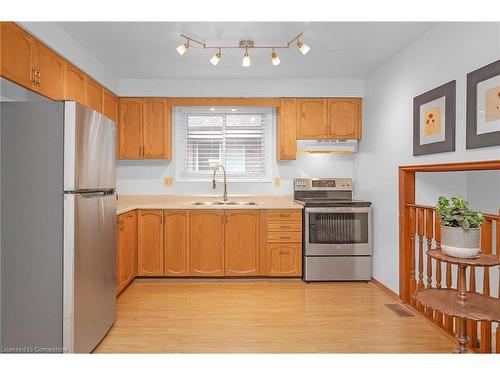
330	184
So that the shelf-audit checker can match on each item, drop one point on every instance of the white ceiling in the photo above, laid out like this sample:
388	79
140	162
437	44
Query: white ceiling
338	49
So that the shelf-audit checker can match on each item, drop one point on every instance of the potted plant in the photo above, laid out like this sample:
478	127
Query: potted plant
459	227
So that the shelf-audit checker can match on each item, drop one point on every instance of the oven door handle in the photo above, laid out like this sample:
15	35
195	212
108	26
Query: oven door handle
338	209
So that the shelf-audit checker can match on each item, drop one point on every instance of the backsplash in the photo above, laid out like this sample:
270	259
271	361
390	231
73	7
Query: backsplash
146	177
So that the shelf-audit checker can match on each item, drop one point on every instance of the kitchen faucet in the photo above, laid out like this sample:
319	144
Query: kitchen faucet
214	182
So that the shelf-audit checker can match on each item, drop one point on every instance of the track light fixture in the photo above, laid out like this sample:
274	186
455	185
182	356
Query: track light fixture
216	58
183	47
245	45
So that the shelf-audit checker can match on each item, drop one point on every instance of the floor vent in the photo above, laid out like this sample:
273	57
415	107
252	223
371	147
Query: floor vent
398	310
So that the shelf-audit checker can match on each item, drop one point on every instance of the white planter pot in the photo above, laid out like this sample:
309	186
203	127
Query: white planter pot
460	243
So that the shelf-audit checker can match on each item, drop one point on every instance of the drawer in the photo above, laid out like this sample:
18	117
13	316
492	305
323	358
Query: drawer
284	237
278	215
285	259
284	226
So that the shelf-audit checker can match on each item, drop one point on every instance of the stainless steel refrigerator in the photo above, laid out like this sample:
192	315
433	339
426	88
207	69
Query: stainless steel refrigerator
58	215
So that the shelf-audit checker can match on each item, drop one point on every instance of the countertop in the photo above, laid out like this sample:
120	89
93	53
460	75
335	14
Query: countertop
180	202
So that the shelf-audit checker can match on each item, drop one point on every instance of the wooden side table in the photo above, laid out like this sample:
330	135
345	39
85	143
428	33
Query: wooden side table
458	302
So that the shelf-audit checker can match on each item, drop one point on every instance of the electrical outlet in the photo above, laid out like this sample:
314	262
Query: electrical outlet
277	181
168	181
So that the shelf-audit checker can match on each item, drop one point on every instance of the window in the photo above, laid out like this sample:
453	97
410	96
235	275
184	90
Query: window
236	137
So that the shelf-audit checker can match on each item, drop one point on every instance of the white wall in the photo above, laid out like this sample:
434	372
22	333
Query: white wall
446	52
242	87
63	43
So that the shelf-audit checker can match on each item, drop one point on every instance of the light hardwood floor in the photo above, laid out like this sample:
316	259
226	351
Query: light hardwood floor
264	316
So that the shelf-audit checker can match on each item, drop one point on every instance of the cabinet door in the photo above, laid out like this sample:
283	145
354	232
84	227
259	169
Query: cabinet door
109	105
150	243
207	242
344	118
130	128
126	254
242	243
285	259
17	55
154	129
286	131
176	242
51	72
93	95
75	82
312	119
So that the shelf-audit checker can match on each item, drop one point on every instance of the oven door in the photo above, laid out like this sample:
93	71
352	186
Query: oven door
338	231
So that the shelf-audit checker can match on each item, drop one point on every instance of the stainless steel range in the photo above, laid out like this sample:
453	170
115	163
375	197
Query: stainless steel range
337	230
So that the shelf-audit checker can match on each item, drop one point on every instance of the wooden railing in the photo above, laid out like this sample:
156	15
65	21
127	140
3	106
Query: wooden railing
424	231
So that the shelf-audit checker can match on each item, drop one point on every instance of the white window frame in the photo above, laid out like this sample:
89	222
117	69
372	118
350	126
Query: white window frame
178	112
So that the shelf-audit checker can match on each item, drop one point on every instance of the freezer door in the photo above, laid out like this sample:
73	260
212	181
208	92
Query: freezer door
89	149
89	269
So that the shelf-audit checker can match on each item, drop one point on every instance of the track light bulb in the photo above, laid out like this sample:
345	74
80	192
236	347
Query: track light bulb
183	48
303	48
246	60
216	58
275	58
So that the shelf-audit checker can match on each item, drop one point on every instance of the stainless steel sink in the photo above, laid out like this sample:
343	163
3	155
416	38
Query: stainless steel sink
236	203
220	203
211	203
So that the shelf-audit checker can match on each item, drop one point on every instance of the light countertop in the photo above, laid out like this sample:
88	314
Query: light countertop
180	202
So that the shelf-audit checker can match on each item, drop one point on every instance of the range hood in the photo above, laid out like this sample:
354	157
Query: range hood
347	146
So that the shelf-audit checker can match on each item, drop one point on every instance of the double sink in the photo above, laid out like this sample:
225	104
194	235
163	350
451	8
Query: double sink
227	203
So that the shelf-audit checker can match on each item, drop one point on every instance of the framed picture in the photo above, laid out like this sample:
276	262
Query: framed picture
434	120
483	106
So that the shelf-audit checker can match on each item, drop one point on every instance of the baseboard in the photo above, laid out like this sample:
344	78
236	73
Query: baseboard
386	290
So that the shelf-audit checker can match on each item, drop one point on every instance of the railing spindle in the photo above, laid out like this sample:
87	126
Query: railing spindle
448	320
471	324
438	317
486	236
420	234
429	214
412	255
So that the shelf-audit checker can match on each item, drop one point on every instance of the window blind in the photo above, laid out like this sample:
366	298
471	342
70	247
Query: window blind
237	138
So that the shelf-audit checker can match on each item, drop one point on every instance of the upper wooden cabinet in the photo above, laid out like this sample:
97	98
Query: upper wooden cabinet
150	243
109	105
176	243
144	128
242	243
17	55
50	70
93	95
286	130
75	84
312	119
130	128
207	242
344	118
126	249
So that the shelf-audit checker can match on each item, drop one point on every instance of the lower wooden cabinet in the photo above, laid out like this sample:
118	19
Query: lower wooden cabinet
285	259
176	243
150	243
126	249
207	242
241	243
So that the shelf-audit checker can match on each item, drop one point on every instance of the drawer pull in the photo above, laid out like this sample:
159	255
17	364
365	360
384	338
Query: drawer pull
284	253
284	226
284	215
285	237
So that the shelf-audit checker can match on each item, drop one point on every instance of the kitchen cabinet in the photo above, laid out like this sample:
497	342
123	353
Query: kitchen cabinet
286	130
284	242
75	84
109	105
241	242
285	259
150	242
144	128
344	118
176	243
207	242
312	119
17	55
130	128
50	70
126	249
93	95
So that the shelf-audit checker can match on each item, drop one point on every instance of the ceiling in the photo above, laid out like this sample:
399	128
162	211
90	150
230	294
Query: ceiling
338	49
